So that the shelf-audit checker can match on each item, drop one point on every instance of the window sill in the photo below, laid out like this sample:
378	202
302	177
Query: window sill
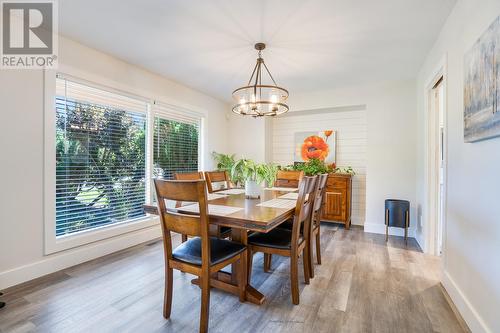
61	243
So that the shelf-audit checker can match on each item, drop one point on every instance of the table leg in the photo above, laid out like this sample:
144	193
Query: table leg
240	236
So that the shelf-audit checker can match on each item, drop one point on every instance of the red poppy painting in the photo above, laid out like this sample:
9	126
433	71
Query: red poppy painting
320	145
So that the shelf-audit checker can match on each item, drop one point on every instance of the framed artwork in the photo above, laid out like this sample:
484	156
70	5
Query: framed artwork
482	86
320	145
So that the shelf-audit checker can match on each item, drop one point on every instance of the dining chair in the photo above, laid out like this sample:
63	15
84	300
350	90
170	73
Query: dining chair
284	178
218	231
201	255
288	178
195	175
220	177
289	243
319	194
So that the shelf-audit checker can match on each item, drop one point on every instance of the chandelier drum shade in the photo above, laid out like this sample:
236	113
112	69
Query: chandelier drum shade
258	99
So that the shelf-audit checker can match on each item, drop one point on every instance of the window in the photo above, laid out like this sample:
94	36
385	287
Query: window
175	143
103	148
100	158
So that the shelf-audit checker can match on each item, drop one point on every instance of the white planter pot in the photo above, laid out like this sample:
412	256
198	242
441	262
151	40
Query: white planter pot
252	189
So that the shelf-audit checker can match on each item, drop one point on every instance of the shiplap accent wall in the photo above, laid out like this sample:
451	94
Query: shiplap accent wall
350	125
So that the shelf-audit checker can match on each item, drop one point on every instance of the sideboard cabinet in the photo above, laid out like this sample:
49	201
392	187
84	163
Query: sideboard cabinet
338	199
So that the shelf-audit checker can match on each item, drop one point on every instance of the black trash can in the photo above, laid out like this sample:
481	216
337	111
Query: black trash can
397	214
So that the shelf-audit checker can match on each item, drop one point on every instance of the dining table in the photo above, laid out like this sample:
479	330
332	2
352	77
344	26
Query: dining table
263	214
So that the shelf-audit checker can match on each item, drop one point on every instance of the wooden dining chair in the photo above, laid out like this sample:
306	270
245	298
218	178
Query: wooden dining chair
221	177
289	243
196	175
319	195
202	255
215	230
288	178
284	178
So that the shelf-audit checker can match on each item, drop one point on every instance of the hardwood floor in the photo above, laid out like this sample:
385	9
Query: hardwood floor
363	285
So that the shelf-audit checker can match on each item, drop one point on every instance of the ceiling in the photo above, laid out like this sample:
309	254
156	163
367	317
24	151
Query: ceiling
311	45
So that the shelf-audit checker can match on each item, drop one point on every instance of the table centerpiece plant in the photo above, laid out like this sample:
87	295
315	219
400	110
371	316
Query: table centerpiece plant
246	171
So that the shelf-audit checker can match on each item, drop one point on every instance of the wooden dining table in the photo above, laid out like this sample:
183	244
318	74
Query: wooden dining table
250	218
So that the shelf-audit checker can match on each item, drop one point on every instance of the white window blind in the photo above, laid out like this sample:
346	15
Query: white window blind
100	157
175	141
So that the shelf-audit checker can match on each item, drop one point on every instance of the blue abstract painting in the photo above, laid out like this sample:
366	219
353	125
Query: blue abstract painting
482	86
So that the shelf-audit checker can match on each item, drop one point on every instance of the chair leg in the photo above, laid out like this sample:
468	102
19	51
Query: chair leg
167	298
184	238
306	261
205	303
249	264
294	278
242	276
267	262
309	253
318	247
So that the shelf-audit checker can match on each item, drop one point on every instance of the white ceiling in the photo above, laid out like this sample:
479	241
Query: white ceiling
312	45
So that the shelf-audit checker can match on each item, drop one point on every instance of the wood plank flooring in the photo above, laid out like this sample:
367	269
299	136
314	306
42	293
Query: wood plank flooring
363	285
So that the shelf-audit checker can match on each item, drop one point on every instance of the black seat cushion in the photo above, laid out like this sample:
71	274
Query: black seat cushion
287	225
277	238
220	250
224	230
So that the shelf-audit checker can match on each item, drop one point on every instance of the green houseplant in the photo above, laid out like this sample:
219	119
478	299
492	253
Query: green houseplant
312	167
268	173
224	162
246	171
316	166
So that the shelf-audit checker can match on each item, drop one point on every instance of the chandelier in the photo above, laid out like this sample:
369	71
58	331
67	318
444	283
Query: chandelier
257	99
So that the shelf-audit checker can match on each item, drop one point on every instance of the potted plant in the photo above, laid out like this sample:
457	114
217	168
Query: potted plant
244	171
316	166
224	162
252	174
269	172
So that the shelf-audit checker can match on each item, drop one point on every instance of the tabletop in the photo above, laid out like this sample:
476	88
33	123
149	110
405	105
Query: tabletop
252	216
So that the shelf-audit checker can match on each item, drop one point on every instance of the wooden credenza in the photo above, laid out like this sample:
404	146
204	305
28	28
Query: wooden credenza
338	199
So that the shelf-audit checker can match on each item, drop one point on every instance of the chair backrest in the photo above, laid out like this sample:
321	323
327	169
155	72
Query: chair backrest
187	224
217	177
319	194
197	175
189	175
288	178
303	208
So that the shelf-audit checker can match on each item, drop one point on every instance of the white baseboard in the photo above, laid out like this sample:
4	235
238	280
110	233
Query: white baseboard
65	259
469	314
378	228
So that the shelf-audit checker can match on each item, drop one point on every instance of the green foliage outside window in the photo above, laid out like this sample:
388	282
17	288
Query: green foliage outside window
175	148
100	166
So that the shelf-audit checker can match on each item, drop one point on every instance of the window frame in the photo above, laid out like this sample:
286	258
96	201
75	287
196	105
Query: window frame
53	243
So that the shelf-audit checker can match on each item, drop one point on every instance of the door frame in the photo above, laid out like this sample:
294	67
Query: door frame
432	133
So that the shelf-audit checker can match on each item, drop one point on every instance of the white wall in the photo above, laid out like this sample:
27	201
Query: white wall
247	137
351	134
21	144
391	140
472	233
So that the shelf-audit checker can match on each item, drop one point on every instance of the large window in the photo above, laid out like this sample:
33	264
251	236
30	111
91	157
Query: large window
175	145
100	158
104	142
